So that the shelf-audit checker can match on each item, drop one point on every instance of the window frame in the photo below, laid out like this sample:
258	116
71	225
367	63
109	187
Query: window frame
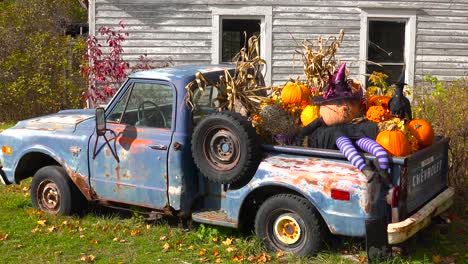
262	13
370	13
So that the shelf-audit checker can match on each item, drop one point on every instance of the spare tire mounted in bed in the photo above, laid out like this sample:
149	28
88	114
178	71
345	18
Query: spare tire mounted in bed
225	147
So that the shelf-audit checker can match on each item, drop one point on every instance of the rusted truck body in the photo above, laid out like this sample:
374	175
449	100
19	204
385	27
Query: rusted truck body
147	162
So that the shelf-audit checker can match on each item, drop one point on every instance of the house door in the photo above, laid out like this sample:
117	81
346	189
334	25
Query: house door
132	168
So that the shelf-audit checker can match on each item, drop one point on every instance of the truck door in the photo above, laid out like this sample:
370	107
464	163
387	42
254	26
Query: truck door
139	130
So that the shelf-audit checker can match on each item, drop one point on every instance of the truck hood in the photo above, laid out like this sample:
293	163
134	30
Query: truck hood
65	120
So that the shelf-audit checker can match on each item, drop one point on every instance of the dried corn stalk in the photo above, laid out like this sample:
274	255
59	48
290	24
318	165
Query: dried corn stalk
241	91
319	60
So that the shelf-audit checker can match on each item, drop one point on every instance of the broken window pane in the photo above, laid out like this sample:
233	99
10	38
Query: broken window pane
386	47
233	37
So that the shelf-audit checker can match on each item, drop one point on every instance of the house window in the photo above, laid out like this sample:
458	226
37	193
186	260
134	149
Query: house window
234	33
387	38
386	48
230	22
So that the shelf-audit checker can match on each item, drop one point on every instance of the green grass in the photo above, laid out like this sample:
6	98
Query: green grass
4	126
115	237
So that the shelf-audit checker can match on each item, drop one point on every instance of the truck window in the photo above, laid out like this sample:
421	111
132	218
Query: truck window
205	102
144	105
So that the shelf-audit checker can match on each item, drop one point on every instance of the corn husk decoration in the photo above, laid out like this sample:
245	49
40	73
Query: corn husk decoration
240	92
319	60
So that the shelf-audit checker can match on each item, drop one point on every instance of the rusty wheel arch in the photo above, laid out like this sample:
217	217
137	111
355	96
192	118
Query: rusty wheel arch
30	163
252	203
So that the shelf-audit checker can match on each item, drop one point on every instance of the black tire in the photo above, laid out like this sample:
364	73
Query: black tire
53	192
289	223
225	147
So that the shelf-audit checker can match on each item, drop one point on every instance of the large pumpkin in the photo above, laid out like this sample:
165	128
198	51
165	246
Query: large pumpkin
334	114
295	93
394	142
422	131
309	114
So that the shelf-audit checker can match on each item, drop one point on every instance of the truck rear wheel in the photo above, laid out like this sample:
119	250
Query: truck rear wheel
288	223
225	147
52	192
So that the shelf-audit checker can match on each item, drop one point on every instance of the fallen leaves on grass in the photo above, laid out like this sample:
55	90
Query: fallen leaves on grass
202	252
135	232
3	237
42	222
163	238
89	258
215	252
93	241
264	257
33	212
237	258
227	242
230	249
166	247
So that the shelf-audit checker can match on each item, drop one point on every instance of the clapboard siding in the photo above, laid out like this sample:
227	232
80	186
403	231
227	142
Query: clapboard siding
182	30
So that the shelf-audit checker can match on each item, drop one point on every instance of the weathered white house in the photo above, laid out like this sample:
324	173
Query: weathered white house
427	37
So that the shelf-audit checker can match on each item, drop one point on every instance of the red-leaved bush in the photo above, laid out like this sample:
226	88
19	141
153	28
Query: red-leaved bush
104	71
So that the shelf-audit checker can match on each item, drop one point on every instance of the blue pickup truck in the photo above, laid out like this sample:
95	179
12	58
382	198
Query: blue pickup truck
140	151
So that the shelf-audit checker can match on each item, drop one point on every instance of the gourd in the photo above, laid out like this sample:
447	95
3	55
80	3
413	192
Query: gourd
295	93
309	114
394	142
422	131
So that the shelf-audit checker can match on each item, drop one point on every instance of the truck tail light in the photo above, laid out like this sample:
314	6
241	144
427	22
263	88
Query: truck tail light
395	196
340	195
7	150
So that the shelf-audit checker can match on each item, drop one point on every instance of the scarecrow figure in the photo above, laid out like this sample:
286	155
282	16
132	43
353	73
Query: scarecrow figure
339	105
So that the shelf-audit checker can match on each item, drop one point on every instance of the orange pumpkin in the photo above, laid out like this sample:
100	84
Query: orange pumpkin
422	131
379	100
309	114
394	142
295	93
334	114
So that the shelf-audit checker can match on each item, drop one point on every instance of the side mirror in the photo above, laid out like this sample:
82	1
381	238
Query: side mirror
100	121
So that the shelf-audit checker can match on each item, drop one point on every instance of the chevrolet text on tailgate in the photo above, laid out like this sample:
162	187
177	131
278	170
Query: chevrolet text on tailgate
148	149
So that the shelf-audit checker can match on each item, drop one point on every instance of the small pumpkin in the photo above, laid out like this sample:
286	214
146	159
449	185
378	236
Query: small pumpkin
381	100
334	114
309	114
422	131
295	93
394	142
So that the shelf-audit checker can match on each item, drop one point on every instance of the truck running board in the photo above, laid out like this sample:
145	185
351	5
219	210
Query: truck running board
214	218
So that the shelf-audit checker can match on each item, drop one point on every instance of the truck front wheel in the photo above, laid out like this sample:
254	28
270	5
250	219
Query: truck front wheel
52	192
288	223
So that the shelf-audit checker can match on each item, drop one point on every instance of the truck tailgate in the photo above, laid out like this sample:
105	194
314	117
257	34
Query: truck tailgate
426	176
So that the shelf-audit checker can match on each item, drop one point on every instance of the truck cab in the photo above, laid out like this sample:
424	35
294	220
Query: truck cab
138	151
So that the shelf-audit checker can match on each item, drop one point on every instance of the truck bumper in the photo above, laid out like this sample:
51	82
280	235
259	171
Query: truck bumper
401	231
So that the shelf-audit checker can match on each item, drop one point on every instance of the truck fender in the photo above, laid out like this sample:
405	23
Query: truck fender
264	191
79	180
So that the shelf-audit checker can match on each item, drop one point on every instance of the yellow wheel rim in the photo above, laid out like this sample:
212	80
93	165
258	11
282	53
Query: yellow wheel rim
287	230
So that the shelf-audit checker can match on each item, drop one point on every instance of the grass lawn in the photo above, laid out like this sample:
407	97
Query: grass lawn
107	236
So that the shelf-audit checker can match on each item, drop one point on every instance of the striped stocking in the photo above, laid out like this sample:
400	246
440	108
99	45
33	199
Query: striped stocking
346	147
372	147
